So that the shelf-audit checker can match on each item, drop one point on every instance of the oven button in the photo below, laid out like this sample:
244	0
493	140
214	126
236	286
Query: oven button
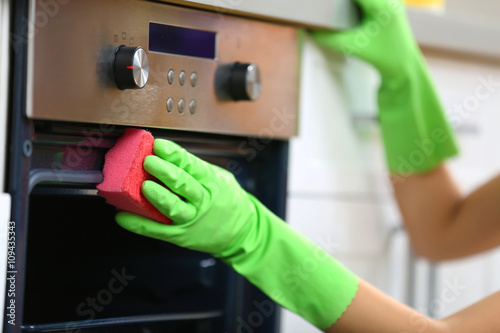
131	67
171	77
192	106
237	82
194	79
181	105
182	78
170	105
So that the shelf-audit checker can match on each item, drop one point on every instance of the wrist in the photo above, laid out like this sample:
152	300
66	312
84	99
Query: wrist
292	270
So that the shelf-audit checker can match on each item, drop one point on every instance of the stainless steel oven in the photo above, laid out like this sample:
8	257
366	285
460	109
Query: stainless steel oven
224	87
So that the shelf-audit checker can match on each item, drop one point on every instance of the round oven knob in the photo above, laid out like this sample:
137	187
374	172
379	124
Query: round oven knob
131	67
244	82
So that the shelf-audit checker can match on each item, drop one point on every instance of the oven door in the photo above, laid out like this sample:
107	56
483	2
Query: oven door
75	270
83	273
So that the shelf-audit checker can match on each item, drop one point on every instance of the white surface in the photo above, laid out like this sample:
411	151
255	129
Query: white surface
334	14
457	31
4	198
465	26
483	9
352	230
4	83
4	222
332	155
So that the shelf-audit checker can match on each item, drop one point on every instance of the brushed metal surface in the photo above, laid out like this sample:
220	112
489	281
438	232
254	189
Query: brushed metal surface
70	57
140	68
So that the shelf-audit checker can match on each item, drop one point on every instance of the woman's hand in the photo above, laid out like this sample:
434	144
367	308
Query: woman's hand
416	134
209	209
212	213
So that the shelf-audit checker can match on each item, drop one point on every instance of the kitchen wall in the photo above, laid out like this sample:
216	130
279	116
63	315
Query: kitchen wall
338	190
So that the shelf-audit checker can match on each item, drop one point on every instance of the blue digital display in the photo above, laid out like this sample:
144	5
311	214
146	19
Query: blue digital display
182	41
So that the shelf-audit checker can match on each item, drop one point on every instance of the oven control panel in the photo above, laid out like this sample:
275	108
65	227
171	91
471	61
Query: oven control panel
150	64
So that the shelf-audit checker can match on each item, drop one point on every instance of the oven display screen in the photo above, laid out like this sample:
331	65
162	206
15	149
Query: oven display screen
182	41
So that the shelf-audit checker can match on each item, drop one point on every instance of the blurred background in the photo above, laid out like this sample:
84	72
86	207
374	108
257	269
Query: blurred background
338	184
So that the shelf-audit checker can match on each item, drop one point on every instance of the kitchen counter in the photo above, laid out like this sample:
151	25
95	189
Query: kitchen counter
459	29
329	14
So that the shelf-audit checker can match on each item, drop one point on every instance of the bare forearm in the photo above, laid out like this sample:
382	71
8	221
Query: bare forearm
481	317
374	312
443	224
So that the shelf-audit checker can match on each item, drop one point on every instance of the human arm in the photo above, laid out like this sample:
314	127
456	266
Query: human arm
220	218
374	312
215	215
415	132
480	317
441	222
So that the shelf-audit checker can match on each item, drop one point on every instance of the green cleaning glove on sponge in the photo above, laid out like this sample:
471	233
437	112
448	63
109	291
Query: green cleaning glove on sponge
416	135
218	217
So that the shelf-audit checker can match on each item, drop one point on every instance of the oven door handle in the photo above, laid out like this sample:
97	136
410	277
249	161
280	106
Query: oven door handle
38	176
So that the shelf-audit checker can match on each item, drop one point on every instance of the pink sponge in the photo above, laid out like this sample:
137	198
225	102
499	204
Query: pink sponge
124	175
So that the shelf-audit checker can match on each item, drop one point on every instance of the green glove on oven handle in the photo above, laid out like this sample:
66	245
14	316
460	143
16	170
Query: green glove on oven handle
218	217
416	134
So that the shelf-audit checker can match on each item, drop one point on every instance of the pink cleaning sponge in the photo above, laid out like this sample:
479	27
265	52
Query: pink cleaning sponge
124	174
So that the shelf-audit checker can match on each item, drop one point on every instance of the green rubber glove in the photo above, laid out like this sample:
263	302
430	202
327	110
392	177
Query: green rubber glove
416	135
220	218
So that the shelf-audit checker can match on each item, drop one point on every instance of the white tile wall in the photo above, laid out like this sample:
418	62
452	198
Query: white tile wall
330	154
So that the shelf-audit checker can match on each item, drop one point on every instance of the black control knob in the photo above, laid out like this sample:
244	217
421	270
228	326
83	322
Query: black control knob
131	67
244	82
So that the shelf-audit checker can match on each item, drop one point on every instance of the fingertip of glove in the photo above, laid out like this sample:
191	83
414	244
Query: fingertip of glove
162	146
132	222
150	162
147	186
122	218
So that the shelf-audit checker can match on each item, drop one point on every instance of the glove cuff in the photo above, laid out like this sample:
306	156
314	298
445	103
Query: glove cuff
294	271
